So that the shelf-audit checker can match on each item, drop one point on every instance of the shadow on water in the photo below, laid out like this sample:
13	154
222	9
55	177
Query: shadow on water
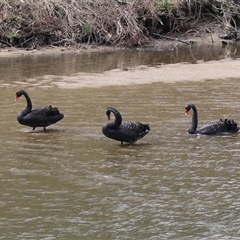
48	130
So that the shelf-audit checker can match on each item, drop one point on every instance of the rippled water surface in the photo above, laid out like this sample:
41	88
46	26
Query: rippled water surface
73	183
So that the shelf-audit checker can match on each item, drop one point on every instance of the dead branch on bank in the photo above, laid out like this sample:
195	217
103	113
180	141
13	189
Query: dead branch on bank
31	23
173	39
61	22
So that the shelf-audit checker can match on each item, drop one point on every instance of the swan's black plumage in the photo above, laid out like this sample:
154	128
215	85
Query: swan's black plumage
38	117
216	127
123	131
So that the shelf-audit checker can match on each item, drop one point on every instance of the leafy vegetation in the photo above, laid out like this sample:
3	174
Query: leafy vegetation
32	23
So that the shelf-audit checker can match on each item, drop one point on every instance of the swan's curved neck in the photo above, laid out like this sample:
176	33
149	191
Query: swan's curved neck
29	102
118	118
194	119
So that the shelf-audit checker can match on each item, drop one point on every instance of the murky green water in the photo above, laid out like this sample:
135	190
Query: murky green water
73	183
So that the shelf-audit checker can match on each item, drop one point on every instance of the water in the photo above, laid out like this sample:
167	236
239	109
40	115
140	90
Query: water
73	183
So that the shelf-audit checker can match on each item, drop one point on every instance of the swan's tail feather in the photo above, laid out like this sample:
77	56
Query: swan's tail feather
52	111
143	128
146	126
230	125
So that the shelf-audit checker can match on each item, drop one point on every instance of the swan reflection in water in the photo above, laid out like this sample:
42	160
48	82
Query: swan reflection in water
124	131
226	126
38	117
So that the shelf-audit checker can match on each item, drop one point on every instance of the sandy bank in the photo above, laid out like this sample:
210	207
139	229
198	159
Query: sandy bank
171	73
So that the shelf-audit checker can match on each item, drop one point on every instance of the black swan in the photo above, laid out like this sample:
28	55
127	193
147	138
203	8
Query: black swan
216	127
123	131
38	117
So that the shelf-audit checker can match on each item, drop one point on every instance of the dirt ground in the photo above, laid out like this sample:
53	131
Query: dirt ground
170	73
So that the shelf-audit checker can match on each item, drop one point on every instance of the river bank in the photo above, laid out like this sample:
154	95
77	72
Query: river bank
168	73
158	45
32	24
171	73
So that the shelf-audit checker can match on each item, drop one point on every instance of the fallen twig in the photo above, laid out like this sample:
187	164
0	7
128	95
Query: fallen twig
173	39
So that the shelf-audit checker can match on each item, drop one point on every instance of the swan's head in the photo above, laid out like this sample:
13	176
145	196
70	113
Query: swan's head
19	94
108	113
113	110
187	109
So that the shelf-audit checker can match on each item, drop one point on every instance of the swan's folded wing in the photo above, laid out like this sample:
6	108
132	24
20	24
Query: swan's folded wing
43	116
37	111
47	111
36	117
218	127
136	127
210	128
135	130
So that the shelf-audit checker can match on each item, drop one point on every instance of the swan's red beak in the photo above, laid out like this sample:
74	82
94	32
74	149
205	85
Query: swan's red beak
186	112
16	98
108	116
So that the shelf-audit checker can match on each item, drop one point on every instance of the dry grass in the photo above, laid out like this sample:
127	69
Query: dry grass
32	23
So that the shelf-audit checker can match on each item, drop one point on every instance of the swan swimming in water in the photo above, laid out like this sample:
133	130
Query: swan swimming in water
38	117
124	131
216	127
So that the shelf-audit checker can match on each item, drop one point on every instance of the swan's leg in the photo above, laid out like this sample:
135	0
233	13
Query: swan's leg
44	129
121	142
33	129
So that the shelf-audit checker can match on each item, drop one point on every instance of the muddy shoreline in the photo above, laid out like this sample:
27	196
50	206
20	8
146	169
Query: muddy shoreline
163	45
